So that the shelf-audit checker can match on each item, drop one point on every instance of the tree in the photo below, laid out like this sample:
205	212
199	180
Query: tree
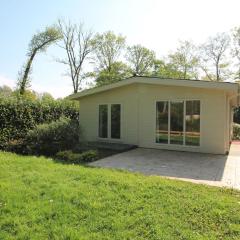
185	60
5	91
39	43
46	97
77	44
119	71
165	70
236	49
213	55
141	60
28	95
107	50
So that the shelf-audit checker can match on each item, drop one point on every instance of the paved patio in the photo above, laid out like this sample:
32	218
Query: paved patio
217	170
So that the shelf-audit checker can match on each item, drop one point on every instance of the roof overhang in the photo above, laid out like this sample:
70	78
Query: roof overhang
231	88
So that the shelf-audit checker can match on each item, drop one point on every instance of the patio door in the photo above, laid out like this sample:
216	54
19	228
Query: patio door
109	121
176	122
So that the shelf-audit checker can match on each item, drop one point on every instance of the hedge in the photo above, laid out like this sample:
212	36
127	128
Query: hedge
18	116
236	117
49	138
236	131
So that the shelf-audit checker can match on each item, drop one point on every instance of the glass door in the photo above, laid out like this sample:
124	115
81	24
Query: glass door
176	122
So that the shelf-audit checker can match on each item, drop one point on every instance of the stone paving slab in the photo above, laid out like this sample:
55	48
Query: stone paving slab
211	169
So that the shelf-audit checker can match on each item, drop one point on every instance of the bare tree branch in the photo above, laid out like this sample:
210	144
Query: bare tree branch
236	50
141	59
77	44
107	49
214	52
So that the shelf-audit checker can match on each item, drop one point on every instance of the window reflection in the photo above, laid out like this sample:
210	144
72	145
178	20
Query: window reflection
103	121
115	120
162	122
176	123
192	136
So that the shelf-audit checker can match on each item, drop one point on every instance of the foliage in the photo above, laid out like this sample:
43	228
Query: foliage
77	44
107	49
42	199
236	131
165	70
46	97
49	138
76	158
29	95
141	60
42	40
16	146
18	116
213	56
118	72
236	116
185	60
39	43
236	50
5	91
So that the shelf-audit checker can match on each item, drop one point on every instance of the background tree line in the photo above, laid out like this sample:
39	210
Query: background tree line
103	58
112	60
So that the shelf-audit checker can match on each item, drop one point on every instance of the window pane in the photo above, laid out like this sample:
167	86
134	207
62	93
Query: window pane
192	123
162	122
103	121
115	120
176	130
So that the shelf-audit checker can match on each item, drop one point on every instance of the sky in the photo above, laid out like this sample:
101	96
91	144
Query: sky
156	24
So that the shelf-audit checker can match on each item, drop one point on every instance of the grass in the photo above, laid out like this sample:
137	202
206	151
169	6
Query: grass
43	199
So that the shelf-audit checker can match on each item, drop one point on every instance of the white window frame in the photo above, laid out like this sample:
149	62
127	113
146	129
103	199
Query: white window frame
109	123
184	122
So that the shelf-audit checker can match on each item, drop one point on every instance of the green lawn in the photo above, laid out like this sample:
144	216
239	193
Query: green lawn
42	199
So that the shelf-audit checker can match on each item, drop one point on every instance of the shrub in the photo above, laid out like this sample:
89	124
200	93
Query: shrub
17	146
71	157
236	131
89	156
18	116
236	116
49	138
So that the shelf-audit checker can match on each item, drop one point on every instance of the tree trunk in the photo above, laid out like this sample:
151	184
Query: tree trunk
26	73
217	73
239	73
